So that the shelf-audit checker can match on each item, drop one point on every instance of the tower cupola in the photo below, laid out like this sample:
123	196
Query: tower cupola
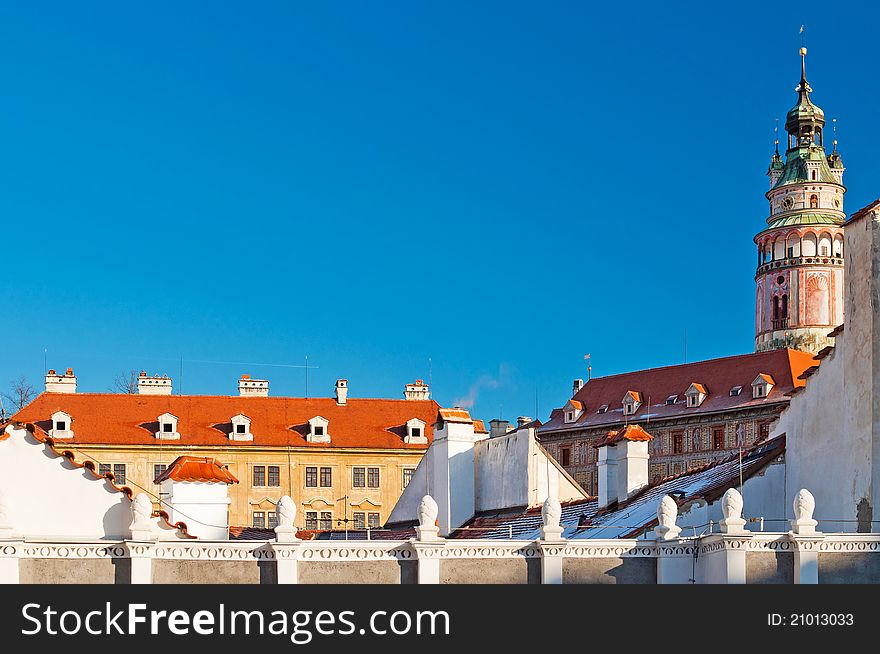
804	121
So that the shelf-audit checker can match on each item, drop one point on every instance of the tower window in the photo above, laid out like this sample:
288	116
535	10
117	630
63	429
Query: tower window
814	200
813	175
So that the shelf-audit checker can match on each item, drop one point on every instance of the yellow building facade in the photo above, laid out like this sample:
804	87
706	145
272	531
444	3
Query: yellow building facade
345	462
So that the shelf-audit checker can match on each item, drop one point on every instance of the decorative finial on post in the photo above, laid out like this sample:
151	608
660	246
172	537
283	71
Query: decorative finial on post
667	512
285	512
804	505
141	526
551	513
731	508
427	512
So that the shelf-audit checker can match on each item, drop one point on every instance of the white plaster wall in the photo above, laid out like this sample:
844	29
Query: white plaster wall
831	426
501	472
48	497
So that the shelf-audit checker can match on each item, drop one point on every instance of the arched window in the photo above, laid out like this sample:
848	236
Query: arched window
814	200
813	175
784	307
775	307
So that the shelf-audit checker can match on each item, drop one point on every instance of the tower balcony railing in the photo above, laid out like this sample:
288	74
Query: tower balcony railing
781	323
836	260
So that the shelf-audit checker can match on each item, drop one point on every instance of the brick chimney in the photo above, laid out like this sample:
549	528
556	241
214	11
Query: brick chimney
153	385
248	387
65	383
341	391
418	391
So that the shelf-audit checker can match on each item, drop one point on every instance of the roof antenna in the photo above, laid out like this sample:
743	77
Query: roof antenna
430	377
685	344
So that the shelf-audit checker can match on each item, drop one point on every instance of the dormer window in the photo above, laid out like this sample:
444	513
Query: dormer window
318	430
735	391
672	399
572	411
61	425
603	409
168	427
241	428
631	403
695	394
762	386
415	432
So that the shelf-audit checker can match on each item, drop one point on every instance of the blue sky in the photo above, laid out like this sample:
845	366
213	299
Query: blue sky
497	189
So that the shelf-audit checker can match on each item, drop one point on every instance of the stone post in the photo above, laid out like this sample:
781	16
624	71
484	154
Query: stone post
287	545
674	558
9	553
427	544
725	553
143	539
552	544
805	539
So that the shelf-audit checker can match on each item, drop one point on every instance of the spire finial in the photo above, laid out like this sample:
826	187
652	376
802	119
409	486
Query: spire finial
776	136
804	86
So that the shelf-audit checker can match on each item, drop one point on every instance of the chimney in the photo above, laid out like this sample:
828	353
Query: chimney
418	391
623	464
522	421
497	428
65	383
341	391
153	385
195	491
577	385
248	387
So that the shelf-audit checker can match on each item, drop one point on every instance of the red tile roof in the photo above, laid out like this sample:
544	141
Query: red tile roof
455	415
480	427
628	433
863	212
121	419
196	468
718	376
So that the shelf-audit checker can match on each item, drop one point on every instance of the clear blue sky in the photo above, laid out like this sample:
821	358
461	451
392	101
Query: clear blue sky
500	188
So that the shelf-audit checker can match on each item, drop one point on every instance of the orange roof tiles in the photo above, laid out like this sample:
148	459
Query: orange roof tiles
196	469
577	405
120	419
455	415
628	433
699	388
480	427
769	379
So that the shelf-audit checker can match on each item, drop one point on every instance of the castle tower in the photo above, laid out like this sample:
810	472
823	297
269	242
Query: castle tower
799	279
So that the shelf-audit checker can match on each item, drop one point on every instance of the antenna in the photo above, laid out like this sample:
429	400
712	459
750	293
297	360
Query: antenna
45	365
307	376
430	377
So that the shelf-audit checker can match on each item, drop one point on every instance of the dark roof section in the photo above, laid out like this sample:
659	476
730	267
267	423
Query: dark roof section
719	376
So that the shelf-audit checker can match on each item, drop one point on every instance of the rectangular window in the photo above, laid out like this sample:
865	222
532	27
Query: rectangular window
167	427
359	520
565	456
119	473
158	469
372	477
259	475
417	432
678	443
326	477
60	426
274	476
259	519
273	520
373	521
407	476
311	477
358	477
319	430
103	468
240	429
326	520
311	520
718	438
764	430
